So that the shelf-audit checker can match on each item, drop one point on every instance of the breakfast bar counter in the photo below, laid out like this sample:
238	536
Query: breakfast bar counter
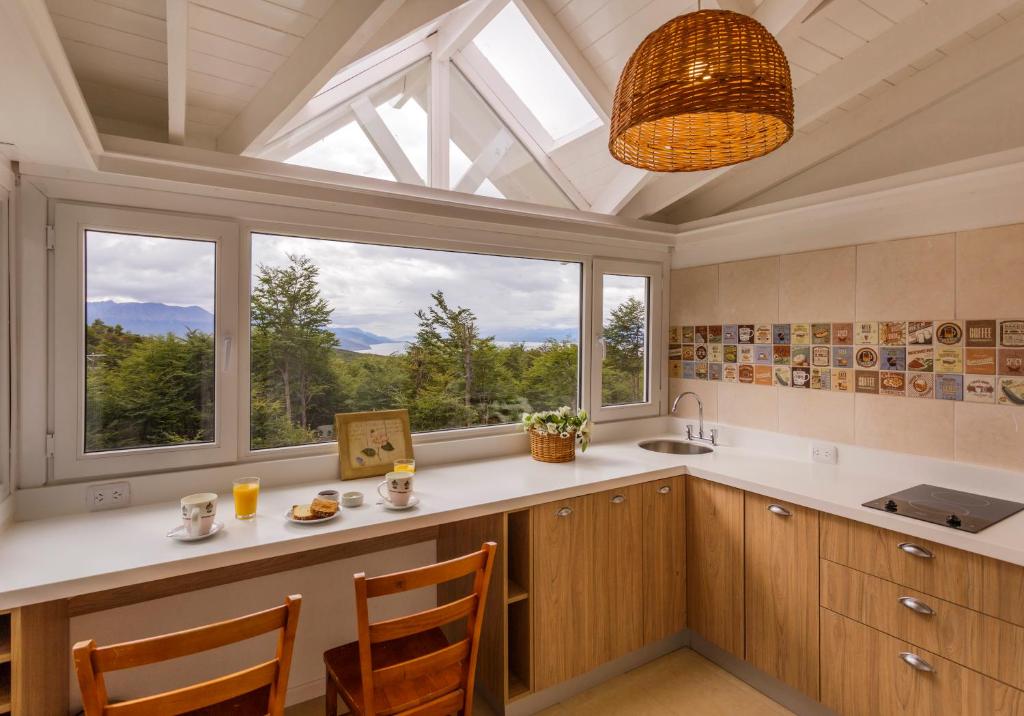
106	553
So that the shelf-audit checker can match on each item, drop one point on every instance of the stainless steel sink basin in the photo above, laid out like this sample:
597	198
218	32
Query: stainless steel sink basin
674	447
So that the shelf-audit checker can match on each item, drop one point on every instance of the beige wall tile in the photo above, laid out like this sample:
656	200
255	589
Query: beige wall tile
748	406
694	296
708	392
990	435
818	414
748	291
907	279
921	427
990	273
818	286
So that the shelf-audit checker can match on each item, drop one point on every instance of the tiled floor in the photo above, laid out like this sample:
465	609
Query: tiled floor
682	683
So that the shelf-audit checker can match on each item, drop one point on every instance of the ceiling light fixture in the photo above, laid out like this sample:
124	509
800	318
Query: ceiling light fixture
707	89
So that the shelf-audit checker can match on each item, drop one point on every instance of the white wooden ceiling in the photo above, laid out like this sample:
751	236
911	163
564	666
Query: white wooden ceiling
118	49
860	68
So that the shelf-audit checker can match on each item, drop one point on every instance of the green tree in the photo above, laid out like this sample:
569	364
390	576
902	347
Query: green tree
291	342
625	338
551	380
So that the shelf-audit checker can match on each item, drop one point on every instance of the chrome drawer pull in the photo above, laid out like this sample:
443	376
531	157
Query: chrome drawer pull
618	499
779	510
916	550
664	489
564	511
917	662
916	605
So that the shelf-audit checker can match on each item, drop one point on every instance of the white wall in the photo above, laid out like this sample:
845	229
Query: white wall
327	620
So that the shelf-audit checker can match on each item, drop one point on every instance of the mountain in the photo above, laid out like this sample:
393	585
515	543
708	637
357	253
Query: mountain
535	335
356	339
150	319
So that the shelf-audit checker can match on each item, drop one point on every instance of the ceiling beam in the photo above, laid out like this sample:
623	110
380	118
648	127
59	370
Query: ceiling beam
486	162
779	17
616	193
464	24
384	142
336	41
967	65
177	69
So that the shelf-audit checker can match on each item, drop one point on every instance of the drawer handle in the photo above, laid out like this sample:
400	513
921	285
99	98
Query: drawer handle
916	606
917	662
779	510
664	489
618	499
916	550
564	511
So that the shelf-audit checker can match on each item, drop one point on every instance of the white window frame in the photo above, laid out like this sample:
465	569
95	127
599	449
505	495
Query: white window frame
70	461
247	454
654	273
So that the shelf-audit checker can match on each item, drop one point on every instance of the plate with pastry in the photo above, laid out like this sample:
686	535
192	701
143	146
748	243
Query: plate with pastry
319	510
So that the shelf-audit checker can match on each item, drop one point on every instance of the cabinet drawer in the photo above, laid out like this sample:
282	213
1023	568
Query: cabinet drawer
988	645
935	569
864	674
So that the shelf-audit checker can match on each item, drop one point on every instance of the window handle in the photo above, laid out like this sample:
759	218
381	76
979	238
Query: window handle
227	353
603	347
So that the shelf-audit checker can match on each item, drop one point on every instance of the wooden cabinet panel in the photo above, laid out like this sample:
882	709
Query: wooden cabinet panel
564	589
985	644
664	557
862	674
1003	590
950	574
714	563
781	588
619	594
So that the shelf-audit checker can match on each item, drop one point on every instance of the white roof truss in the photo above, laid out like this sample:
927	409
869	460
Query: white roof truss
177	68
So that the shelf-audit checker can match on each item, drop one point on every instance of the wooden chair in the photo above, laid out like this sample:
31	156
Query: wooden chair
407	665
258	689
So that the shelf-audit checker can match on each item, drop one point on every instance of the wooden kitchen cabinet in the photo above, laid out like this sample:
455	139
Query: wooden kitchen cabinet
619	590
865	672
664	558
781	591
714	563
564	589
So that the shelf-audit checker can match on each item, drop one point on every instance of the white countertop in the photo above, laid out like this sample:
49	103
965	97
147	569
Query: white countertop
65	556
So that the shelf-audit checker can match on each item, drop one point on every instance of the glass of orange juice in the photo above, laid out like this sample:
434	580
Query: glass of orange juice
405	465
246	491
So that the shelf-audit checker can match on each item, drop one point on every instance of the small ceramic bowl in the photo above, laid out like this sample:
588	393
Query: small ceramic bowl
352	499
331	495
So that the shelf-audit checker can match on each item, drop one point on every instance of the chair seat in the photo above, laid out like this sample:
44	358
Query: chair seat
342	664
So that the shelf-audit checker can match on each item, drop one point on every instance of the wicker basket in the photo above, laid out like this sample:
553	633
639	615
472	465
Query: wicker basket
552	448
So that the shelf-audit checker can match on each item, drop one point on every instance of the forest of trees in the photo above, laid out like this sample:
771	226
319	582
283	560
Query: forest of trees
159	390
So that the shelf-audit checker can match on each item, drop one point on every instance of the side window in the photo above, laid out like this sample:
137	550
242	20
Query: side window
145	314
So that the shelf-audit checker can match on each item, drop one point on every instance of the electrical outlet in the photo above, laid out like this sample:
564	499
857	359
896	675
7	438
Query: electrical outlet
823	452
108	496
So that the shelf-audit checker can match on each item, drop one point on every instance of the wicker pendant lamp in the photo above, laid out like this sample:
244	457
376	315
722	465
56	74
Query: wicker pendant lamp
706	89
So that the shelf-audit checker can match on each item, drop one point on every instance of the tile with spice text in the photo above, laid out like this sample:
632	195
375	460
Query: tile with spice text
1011	361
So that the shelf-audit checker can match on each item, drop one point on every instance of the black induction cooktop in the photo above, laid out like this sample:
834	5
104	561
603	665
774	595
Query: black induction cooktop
960	510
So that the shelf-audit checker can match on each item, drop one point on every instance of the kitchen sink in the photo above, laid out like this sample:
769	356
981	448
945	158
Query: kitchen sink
674	447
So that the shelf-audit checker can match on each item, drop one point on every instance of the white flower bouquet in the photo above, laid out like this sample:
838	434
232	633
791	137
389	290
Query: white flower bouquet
564	423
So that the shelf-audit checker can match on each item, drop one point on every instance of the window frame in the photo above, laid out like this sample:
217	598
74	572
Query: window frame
71	221
246	229
654	273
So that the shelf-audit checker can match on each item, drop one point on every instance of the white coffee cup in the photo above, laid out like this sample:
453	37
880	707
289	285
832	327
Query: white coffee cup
198	512
398	486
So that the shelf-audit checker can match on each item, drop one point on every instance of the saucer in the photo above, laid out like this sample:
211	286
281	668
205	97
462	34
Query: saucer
318	520
181	535
413	501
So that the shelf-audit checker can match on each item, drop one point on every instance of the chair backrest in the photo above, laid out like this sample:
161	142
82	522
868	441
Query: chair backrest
270	677
470	608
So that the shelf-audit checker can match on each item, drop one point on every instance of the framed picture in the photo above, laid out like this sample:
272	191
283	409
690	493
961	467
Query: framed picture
370	442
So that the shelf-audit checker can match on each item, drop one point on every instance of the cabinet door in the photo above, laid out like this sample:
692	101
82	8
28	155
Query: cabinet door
714	563
664	550
782	591
619	599
867	673
564	590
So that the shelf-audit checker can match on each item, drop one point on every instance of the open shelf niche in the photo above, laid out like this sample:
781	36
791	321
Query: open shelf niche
517	599
5	663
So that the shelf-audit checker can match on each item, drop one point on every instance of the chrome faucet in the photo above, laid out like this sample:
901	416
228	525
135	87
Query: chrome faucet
699	437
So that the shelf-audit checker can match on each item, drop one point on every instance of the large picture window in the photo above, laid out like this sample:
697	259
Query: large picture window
460	339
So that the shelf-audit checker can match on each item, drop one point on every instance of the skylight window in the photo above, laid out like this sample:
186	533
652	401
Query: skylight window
522	59
346	150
